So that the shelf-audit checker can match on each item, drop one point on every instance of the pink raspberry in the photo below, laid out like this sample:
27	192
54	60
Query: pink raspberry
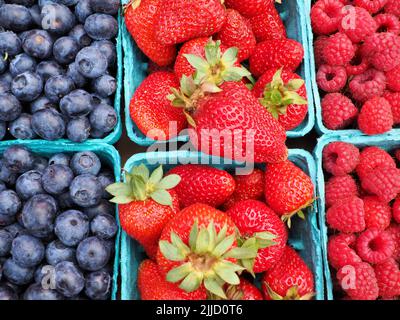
371	158
377	213
382	182
375	246
396	210
394	100
357	65
388	277
373	6
340	251
387	22
340	188
375	116
394	231
347	216
340	158
338	50
357	24
331	78
393	79
338	111
367	85
325	16
393	7
319	45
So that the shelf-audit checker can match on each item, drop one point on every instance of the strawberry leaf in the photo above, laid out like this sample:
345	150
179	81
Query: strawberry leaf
169	182
162	197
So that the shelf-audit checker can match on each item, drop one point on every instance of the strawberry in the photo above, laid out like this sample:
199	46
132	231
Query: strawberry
151	110
140	19
268	25
289	279
250	8
182	20
202	184
284	95
244	291
145	203
153	286
288	189
261	227
237	32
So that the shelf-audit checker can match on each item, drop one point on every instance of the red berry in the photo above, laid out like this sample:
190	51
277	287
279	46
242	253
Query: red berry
331	78
357	65
340	158
338	50
393	7
394	231
373	6
367	85
377	213
268	25
340	188
393	79
357	24
326	16
382	182
388	276
375	116
396	210
371	158
387	22
319	45
338	111
340	251
375	246
394	100
397	154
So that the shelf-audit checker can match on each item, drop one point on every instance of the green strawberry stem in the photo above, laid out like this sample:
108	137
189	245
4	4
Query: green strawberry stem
287	218
291	294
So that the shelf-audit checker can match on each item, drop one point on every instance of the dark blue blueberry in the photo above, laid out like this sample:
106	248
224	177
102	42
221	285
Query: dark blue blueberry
92	254
104	226
9	43
76	104
5	87
78	130
85	190
85	162
107	48
72	227
10	107
48	69
105	6
68	3
15	230
57	252
6	78
35	12
27	86
40	163
38	215
104	207
29	184
96	134
38	44
2	186
22	63
6	240
18	159
57	87
81	37
21	128
57	18
7	293
15	17
101	26
65	201
44	272
3	129
16	274
3	64
103	118
60	158
42	3
65	50
48	124
91	62
57	178
6	220
41	103
105	86
10	203
98	285
27	251
76	76
26	3
36	292
83	10
69	279
106	178
6	175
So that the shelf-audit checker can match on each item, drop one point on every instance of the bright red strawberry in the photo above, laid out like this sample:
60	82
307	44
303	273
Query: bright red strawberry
289	279
268	25
250	8
326	16
140	19
375	246
153	286
151	110
275	54
248	187
340	188
261	227
347	216
244	291
288	190
145	203
340	158
394	231
388	276
396	210
377	213
371	158
202	184
341	252
182	20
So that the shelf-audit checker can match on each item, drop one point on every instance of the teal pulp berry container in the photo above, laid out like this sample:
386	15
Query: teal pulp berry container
388	142
304	235
296	19
107	154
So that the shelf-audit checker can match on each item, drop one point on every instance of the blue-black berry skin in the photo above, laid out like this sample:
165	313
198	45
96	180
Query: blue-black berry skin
104	226
91	63
21	128
101	26
69	280
27	251
40	163
27	86
10	43
22	63
98	285
92	254
57	87
78	129
15	17
48	124
71	227
105	6
103	207
16	274
85	162
38	44
7	293
29	184
107	48
6	239
105	86
60	158
10	107
57	252
36	292
18	159
81	37
106	178
103	118
57	178
65	50
10	203
41	103
83	9
76	104
78	79
48	69
57	19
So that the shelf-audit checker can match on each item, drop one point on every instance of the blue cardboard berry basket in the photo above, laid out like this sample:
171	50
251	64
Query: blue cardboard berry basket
107	154
304	235
388	142
295	17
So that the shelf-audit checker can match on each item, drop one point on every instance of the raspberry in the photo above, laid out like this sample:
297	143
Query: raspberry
331	78
387	22
388	276
357	65
340	188
359	26
373	6
393	79
367	85
375	116
382	182
393	7
382	50
377	214
340	252
340	158
338	111
396	210
319	45
338	50
326	16
394	231
347	216
394	100
375	246
371	158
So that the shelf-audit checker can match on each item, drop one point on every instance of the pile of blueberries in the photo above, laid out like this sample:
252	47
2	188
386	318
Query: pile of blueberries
57	58
57	227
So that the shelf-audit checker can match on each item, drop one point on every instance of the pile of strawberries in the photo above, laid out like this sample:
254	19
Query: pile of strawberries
357	53
363	211
207	233
196	51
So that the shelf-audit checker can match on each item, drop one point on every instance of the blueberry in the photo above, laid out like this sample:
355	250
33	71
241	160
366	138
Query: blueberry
57	18
105	6
27	86
6	220
9	43
104	207
78	129
65	201
98	285
57	87
22	63
26	3
6	175
105	86
101	26
48	69
48	124
44	272
57	178
81	37
7	293
15	17
10	203
40	163
76	104
5	87
3	64
107	48
29	184
18	159
76	76
15	229
35	12
10	107
21	128
106	178
60	158
41	103
37	293
91	62
38	44
6	240
27	251
83	10
69	279
2	186
57	252
97	100
72	227
42	3
38	215
65	50
67	2
96	134
104	226
92	254
6	78
85	190
3	129
103	118
85	162
16	274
